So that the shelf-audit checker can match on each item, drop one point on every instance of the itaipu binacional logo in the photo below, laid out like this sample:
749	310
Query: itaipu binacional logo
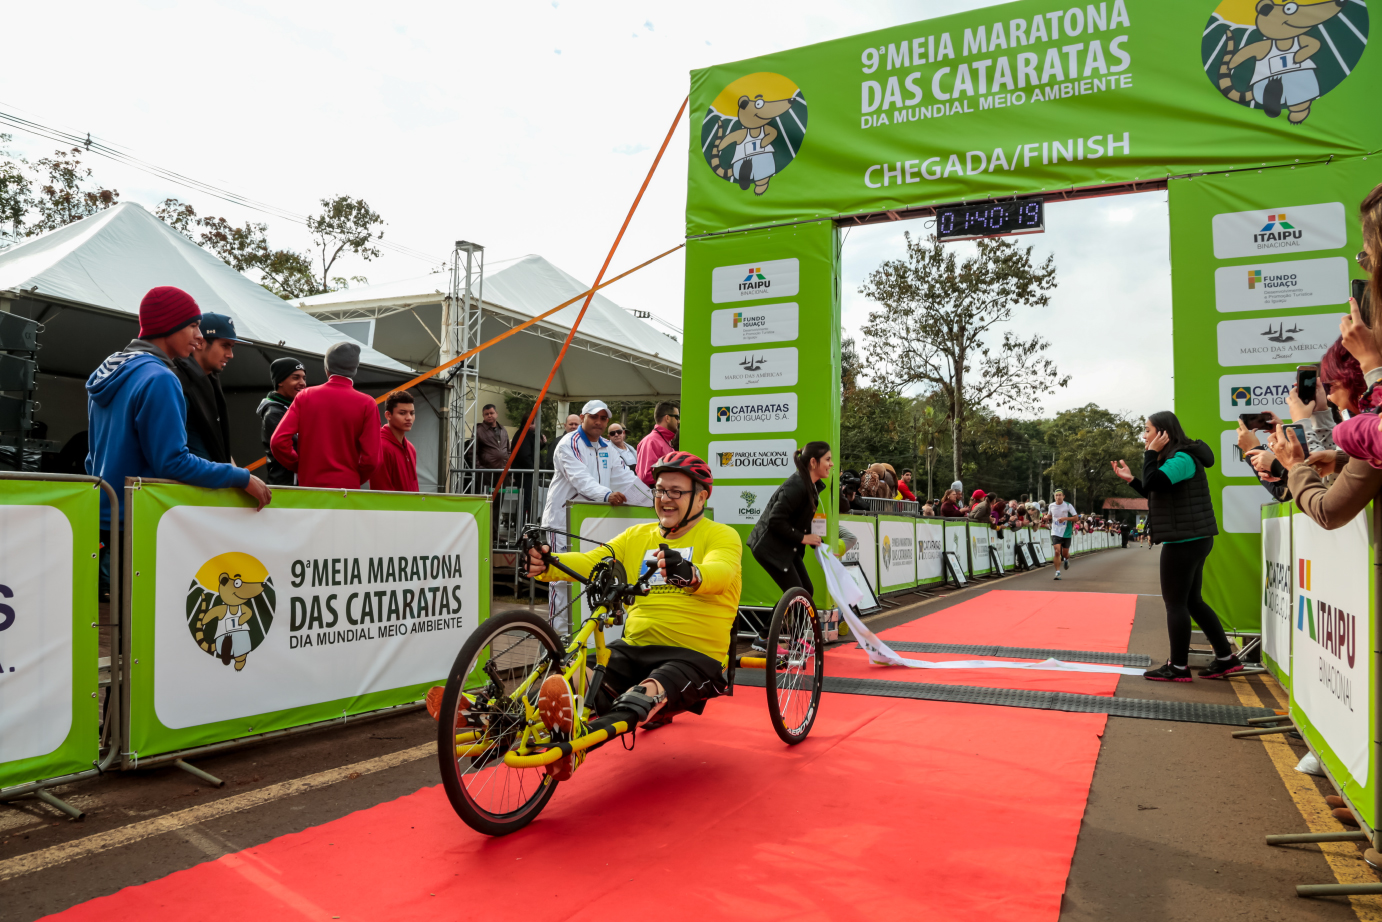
230	607
1282	55
754	129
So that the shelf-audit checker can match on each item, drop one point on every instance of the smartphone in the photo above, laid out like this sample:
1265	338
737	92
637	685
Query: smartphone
1257	421
1307	376
1360	294
1299	430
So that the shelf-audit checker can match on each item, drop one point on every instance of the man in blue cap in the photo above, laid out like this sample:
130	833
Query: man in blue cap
208	423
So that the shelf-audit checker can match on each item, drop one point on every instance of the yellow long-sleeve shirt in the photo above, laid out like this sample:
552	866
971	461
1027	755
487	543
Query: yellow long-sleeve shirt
670	616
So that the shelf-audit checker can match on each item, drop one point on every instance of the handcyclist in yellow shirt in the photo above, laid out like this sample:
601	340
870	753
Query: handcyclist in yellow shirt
676	639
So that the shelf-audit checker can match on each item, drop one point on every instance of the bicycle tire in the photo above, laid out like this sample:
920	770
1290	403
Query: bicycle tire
794	633
534	786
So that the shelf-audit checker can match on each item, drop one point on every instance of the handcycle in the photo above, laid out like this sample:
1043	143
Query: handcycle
492	746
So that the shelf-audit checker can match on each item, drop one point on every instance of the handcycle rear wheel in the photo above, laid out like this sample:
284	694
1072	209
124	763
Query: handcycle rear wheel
795	666
488	795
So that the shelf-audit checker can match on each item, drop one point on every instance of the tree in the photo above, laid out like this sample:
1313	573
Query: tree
65	197
1086	440
16	190
245	249
935	318
345	225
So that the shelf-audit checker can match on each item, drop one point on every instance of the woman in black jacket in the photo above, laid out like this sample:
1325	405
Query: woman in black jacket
778	542
1180	512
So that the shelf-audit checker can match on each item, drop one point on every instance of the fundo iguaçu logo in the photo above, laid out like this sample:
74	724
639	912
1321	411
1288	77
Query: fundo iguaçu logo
230	607
754	129
1283	55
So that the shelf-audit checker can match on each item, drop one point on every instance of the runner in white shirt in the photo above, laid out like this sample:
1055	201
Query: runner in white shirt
1062	526
588	469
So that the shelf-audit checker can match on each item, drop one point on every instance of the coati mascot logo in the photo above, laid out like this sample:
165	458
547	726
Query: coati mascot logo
230	607
754	129
1282	55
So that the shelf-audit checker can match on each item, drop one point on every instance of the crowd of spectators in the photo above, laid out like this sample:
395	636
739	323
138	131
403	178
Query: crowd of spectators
1337	471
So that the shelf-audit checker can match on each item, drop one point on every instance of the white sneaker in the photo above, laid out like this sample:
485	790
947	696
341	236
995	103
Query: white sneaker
1057	574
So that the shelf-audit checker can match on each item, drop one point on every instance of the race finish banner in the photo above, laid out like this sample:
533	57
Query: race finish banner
322	605
1261	263
997	106
1277	584
49	542
1333	696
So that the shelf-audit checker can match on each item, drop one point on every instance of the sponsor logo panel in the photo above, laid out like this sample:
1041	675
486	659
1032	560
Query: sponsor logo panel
753	368
1254	393
1284	230
753	413
776	278
1293	283
740	504
743	326
1293	340
756	459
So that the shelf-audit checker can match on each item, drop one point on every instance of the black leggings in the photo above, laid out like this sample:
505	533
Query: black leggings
1182	574
794	576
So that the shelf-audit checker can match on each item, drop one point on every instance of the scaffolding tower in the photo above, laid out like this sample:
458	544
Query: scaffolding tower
461	333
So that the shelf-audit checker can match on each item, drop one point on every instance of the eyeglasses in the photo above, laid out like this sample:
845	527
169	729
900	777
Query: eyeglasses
673	495
616	432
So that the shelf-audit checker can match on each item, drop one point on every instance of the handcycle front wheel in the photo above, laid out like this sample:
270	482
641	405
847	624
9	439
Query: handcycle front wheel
795	667
488	795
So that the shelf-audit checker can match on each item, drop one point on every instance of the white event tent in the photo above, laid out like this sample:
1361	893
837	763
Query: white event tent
84	282
614	355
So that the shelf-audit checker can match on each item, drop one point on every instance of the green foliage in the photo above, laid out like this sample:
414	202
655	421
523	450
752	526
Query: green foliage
64	193
344	225
517	406
932	328
1086	440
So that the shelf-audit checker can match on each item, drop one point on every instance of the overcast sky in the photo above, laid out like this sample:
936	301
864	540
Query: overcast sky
524	126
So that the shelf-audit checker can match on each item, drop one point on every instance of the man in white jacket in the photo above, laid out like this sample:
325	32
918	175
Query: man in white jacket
587	468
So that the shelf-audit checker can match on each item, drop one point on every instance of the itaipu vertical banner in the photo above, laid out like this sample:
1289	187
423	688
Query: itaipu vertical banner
1261	263
1024	98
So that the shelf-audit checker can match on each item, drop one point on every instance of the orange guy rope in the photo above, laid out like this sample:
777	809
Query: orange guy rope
537	404
505	335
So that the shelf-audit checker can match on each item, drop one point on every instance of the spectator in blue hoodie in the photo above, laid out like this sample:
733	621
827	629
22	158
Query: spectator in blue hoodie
138	413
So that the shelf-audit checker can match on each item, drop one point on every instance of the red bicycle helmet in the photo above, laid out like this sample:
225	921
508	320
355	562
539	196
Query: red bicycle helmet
683	462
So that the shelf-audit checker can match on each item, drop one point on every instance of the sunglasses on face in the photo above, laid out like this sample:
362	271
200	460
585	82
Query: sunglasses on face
616	432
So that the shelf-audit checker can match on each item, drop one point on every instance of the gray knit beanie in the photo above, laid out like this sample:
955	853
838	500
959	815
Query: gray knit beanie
343	359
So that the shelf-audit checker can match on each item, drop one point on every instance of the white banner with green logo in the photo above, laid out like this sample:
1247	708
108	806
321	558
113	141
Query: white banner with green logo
322	605
49	542
930	543
1277	581
1333	691
980	535
897	558
859	538
956	536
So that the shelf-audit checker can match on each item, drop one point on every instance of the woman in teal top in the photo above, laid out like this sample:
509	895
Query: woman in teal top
1180	516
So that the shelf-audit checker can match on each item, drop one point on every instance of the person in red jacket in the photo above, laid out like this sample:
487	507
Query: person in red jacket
904	486
658	443
337	428
397	468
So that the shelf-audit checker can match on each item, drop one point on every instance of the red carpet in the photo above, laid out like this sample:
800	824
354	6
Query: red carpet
892	809
1095	621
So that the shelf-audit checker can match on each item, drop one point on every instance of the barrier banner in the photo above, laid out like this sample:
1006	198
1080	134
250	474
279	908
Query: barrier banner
956	536
930	545
596	523
1009	549
49	542
1276	590
1043	538
1332	697
897	558
860	536
979	537
325	604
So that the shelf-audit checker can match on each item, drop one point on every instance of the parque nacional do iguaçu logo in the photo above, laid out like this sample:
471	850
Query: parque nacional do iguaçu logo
230	607
1281	56
754	129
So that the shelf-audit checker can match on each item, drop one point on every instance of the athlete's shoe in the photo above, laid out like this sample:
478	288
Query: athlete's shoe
1169	673
1221	667
1058	574
556	705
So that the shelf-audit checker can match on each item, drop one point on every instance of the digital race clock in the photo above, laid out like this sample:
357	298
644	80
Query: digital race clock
968	222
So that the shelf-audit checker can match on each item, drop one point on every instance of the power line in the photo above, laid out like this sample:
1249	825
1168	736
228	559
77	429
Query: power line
118	154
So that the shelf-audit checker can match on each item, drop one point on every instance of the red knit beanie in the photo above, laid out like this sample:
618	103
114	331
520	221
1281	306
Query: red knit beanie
165	310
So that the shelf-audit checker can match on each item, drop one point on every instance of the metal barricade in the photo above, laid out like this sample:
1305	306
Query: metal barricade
881	506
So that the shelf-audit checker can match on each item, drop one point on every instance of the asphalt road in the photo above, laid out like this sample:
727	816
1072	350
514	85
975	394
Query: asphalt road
1173	829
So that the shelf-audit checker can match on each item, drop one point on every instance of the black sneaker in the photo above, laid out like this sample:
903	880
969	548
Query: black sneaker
1067	563
1221	668
1169	673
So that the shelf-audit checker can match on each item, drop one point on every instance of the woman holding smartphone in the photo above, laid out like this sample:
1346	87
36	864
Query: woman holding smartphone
779	541
1181	519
